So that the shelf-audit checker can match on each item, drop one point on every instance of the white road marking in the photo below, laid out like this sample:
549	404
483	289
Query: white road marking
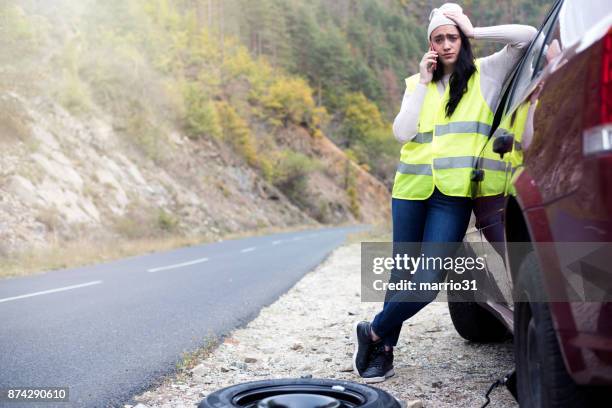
178	265
44	292
247	249
296	238
277	242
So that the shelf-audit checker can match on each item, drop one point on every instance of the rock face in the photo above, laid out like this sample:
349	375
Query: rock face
66	177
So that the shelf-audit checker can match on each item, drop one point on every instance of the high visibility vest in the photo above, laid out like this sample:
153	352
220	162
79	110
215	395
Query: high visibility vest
445	150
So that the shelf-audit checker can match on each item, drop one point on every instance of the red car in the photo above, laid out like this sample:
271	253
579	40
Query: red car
553	130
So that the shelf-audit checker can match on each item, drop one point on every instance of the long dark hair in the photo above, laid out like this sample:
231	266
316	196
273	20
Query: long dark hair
464	68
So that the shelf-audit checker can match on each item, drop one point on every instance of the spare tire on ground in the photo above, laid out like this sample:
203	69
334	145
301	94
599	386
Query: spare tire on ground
300	393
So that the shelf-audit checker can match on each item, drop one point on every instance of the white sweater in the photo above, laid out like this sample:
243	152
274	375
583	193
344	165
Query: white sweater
493	71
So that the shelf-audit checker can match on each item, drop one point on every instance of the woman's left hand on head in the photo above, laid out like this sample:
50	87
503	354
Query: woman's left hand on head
462	21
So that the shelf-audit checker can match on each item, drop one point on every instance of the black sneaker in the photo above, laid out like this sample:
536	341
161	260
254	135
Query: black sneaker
380	365
363	346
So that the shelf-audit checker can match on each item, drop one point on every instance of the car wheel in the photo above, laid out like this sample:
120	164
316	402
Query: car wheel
474	323
542	380
303	391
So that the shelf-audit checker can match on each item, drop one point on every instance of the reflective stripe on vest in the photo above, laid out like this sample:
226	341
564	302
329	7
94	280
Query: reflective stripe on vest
496	182
452	163
445	150
426	137
417	169
463	127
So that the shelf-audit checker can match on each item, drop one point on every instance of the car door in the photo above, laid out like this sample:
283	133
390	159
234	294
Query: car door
513	118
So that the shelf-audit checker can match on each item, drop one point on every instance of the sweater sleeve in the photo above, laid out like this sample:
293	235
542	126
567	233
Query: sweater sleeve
516	37
495	68
406	122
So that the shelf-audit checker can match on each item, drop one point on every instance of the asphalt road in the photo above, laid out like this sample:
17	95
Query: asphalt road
110	331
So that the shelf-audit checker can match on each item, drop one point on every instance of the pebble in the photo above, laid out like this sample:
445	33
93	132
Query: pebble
428	372
238	365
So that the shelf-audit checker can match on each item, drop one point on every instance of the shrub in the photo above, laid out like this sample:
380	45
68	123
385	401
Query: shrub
166	222
21	33
289	100
351	191
291	174
142	222
267	168
201	117
146	135
236	132
74	93
361	117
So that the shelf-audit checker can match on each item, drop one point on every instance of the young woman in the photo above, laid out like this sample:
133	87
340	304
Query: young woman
443	123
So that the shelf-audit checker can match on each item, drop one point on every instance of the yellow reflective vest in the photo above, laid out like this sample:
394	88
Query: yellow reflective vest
445	150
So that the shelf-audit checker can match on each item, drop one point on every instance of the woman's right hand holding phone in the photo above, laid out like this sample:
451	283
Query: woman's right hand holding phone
427	66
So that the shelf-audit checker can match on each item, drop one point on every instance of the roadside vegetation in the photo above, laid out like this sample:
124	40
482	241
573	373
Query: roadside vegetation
60	255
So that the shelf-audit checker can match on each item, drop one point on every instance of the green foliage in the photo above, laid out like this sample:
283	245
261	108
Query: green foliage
289	100
145	135
347	46
239	67
73	92
380	152
201	115
237	133
360	118
338	46
350	184
166	222
16	23
142	222
353	196
291	173
20	33
367	137
266	166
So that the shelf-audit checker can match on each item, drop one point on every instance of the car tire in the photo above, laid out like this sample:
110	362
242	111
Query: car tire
472	321
542	379
475	323
248	394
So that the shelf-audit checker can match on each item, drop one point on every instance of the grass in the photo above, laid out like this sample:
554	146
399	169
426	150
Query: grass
190	360
83	252
378	233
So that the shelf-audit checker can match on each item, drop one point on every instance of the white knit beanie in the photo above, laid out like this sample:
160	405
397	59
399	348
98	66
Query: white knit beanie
437	17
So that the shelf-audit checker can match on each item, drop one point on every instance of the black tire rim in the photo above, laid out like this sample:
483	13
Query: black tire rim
534	369
347	398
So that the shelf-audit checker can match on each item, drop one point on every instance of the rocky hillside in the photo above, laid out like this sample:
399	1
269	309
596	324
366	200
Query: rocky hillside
65	178
105	141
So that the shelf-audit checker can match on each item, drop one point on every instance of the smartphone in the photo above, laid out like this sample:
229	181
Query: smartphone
435	64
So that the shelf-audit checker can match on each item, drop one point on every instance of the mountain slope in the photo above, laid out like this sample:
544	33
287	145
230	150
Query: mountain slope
124	121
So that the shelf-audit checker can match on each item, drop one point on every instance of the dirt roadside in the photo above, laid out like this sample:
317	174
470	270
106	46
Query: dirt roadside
307	331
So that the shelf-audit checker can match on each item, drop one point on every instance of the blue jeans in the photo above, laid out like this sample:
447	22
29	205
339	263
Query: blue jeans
439	218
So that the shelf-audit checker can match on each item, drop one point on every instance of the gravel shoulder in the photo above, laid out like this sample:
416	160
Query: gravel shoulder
307	332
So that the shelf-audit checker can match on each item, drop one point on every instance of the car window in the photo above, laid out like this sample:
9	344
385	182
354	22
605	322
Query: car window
532	64
551	50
